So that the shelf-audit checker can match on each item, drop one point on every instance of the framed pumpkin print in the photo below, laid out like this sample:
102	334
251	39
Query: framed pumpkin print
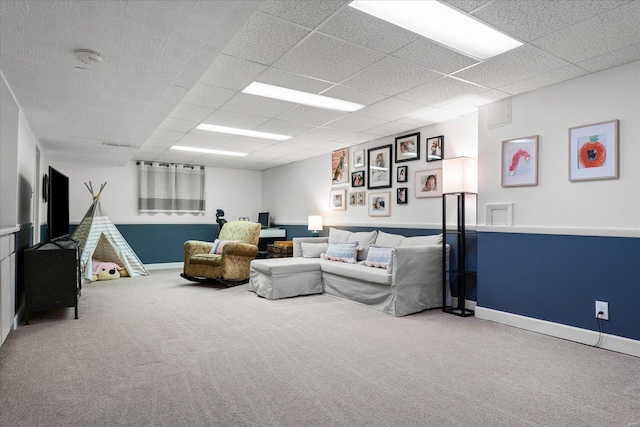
520	161
408	147
340	166
593	151
379	167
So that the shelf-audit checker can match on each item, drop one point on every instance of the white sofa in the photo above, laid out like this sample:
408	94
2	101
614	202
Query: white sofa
412	283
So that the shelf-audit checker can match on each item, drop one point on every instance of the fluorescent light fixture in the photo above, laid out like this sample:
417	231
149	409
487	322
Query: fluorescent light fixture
243	132
443	24
208	151
299	97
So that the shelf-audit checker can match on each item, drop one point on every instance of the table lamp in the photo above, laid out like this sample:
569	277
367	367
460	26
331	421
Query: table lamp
315	224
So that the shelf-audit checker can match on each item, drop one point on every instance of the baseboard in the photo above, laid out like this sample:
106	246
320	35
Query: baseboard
469	305
164	266
571	333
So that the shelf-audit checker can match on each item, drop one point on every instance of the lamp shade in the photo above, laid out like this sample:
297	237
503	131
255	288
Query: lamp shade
315	223
460	175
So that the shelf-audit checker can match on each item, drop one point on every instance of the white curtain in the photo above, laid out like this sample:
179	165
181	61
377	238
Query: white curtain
165	187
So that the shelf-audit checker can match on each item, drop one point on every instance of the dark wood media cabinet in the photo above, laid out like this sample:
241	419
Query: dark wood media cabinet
52	276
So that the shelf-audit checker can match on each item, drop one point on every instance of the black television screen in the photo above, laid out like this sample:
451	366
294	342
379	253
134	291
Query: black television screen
58	209
263	219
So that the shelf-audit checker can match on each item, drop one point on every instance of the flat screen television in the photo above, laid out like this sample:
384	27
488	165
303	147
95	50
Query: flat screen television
263	219
58	206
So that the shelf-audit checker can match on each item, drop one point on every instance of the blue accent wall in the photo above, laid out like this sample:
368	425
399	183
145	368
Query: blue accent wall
558	278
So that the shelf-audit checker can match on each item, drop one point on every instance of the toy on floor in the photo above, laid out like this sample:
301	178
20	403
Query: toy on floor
107	270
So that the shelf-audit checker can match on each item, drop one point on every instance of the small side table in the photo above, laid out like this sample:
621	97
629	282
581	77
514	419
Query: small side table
280	250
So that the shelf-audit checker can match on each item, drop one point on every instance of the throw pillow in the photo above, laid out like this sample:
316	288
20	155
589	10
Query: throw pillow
379	257
219	244
313	250
365	239
422	240
342	252
337	235
388	239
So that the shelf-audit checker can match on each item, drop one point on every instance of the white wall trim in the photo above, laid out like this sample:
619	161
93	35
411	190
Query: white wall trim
164	265
600	232
583	336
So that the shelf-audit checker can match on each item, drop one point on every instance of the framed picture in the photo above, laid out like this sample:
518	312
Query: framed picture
403	172
338	201
379	167
435	148
408	147
402	195
361	198
358	159
353	201
428	183
520	161
379	204
357	179
593	151
340	166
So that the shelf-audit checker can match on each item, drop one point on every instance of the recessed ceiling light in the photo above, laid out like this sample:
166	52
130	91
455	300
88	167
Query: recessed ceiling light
243	132
443	24
300	97
208	151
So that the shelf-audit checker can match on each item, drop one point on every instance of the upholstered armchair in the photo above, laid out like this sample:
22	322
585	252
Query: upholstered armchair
230	265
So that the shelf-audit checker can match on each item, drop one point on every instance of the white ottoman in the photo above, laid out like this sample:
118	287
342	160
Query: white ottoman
275	278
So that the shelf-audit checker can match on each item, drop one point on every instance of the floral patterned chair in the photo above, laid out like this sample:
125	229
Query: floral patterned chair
233	251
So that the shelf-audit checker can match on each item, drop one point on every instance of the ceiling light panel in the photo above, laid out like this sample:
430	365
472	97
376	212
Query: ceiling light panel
243	132
299	97
443	24
207	151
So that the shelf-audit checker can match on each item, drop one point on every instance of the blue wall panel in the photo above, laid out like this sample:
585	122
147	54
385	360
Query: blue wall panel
558	278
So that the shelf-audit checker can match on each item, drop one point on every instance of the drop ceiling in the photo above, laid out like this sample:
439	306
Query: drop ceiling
169	66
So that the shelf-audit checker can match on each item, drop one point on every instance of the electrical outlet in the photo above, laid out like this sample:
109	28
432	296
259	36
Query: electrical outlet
603	307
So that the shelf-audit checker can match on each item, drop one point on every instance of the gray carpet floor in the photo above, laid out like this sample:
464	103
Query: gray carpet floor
161	351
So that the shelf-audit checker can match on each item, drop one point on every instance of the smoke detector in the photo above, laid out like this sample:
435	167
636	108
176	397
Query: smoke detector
87	59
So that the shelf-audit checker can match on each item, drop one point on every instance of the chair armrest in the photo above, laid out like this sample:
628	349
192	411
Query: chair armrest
239	249
194	247
297	249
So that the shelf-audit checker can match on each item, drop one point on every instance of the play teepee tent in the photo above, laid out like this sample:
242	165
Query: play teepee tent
101	240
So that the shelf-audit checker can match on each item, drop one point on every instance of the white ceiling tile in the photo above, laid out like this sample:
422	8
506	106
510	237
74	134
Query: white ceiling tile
150	149
368	31
360	96
612	59
390	128
177	125
309	13
160	143
204	140
235	120
356	138
264	39
532	19
244	145
190	112
282	127
205	95
515	65
303	143
585	40
435	57
541	80
391	109
231	72
310	115
327	58
441	91
166	135
257	105
356	123
278	77
324	134
467	5
391	76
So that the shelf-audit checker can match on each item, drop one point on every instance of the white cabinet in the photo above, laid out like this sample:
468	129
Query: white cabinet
7	284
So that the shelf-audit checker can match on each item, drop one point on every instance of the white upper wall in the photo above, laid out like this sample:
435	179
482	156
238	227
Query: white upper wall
295	191
235	191
610	207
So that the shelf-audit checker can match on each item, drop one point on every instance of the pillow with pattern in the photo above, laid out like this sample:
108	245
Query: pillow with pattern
342	252
219	244
379	257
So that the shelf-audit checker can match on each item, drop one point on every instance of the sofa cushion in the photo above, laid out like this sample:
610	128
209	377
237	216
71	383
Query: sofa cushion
388	239
379	257
337	235
435	239
364	239
313	250
357	272
342	252
289	265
